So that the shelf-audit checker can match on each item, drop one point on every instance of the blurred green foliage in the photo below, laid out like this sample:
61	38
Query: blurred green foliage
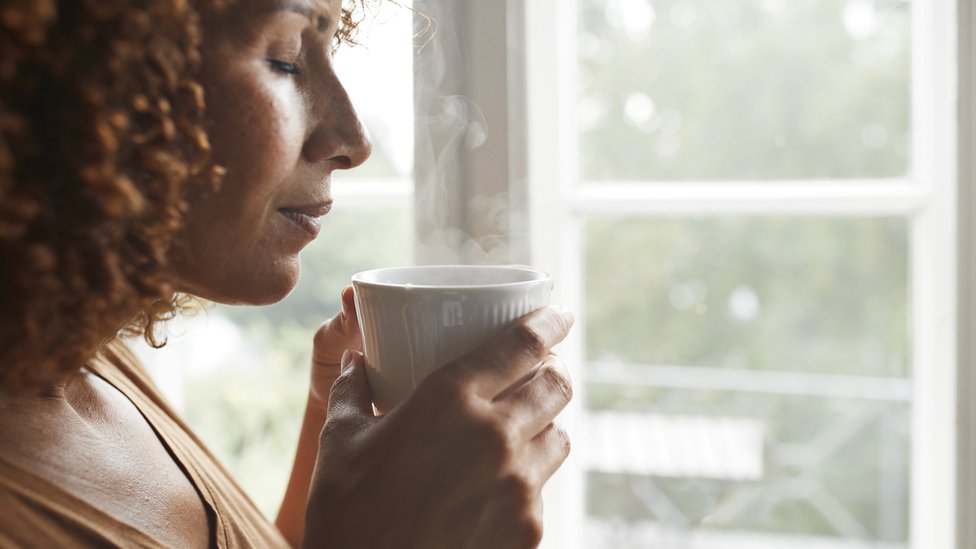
826	295
744	89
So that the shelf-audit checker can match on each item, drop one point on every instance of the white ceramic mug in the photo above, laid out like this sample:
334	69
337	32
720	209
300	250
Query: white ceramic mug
417	319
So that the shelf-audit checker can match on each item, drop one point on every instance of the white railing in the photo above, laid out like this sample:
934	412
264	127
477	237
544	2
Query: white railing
702	378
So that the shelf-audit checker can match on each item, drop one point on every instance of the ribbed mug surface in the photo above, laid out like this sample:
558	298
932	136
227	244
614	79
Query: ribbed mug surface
417	319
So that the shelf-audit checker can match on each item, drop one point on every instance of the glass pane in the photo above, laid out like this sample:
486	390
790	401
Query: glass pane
381	61
823	295
744	89
828	470
747	382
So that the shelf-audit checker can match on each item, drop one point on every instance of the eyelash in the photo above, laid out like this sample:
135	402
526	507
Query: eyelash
284	67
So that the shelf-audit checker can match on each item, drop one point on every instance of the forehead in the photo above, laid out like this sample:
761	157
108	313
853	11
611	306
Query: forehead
323	14
328	7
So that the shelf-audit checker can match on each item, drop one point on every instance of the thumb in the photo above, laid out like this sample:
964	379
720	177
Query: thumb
337	334
351	396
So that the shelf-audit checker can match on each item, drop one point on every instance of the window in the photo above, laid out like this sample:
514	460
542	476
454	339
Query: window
755	219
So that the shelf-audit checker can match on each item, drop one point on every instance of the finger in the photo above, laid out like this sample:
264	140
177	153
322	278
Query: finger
349	302
533	405
350	320
547	452
339	333
514	354
351	397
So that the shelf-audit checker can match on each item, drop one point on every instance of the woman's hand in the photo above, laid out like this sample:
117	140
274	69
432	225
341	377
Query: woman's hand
332	339
459	464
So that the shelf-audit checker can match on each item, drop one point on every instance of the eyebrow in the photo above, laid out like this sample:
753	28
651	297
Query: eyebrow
296	7
322	22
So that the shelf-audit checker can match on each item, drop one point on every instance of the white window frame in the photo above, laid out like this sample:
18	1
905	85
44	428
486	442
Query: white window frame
966	242
482	51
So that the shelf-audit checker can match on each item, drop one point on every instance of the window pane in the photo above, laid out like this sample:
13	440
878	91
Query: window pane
378	75
736	371
744	89
824	295
830	469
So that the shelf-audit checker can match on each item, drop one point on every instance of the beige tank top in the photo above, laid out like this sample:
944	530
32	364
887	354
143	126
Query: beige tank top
37	513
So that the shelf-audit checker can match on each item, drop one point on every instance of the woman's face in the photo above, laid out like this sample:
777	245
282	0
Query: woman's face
280	123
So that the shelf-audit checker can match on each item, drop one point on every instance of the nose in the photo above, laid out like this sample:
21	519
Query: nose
338	137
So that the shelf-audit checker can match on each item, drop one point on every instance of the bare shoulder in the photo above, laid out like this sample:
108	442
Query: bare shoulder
89	443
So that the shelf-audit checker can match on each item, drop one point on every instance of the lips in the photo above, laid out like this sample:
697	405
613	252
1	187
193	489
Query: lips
307	217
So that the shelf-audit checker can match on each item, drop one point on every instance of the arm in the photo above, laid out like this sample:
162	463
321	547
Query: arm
331	341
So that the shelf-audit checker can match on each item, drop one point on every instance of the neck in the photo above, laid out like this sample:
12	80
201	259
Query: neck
44	360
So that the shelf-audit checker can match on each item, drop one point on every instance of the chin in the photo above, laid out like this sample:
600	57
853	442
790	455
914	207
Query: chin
249	286
266	296
269	289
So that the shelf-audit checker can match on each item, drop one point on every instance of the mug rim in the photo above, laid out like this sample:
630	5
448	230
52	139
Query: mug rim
361	278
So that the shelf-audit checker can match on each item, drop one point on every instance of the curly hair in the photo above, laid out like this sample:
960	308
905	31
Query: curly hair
102	130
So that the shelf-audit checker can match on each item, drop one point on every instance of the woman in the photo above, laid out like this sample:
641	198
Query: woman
153	149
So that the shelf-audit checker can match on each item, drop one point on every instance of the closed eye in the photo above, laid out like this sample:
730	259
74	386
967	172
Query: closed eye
284	67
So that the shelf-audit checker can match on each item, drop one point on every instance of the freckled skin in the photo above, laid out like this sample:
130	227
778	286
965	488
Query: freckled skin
280	136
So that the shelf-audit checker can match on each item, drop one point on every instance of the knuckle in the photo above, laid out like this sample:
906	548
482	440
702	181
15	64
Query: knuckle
498	438
340	388
335	428
557	381
474	421
340	327
531	339
531	531
444	386
520	493
558	321
489	432
471	411
322	334
563	322
343	385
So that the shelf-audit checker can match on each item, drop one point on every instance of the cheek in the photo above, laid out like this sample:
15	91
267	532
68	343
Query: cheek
258	131
277	131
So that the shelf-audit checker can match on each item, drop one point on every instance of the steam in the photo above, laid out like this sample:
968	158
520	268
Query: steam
454	224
